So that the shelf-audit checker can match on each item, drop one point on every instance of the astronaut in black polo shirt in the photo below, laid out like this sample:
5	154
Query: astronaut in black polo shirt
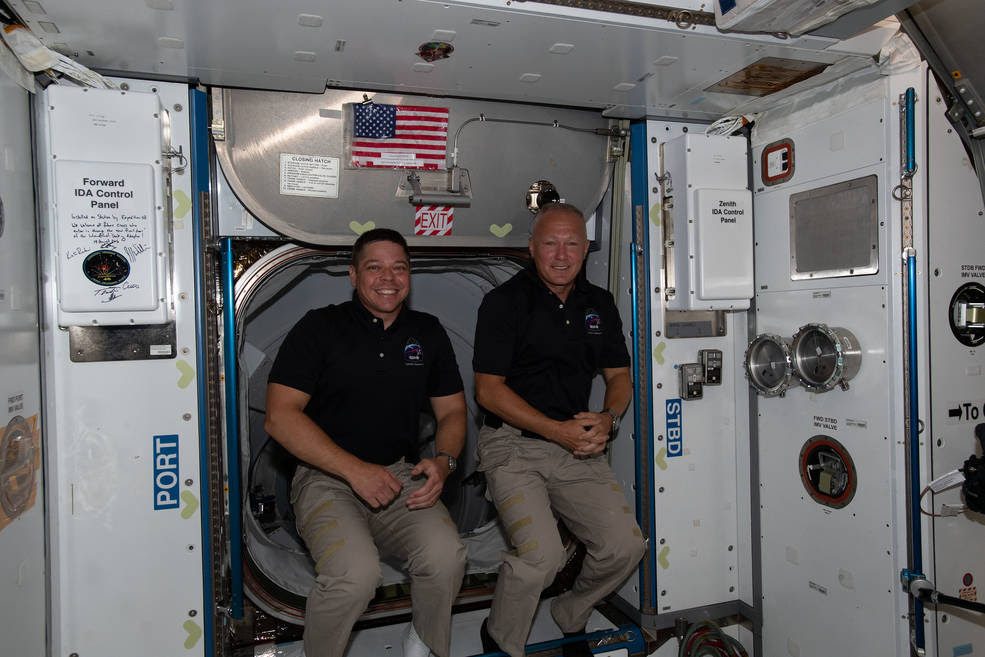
344	396
540	339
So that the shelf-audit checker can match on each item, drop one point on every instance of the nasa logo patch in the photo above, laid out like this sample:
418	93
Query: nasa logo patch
413	353
593	323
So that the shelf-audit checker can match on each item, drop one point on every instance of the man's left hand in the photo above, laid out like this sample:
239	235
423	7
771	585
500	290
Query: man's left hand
436	471
597	429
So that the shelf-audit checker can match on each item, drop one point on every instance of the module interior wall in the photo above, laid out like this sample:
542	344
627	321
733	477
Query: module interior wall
699	496
957	233
120	568
824	567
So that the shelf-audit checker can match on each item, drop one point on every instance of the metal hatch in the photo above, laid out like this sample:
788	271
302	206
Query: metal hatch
503	159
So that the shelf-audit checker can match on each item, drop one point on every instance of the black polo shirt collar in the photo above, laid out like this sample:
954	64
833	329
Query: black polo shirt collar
371	321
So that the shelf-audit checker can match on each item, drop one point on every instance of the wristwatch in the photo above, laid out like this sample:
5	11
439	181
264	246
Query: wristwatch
452	461
615	420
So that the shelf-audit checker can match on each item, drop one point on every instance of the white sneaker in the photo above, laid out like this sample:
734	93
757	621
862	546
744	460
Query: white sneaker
413	645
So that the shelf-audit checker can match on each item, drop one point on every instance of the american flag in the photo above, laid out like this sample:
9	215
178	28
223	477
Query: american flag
402	136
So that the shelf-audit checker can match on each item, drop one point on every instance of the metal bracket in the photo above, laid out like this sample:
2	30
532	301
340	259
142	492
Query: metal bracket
218	126
182	160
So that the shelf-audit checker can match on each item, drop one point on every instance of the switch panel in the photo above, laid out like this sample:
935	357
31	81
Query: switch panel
692	380
711	365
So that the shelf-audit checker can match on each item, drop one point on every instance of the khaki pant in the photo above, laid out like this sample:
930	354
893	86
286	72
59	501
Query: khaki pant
529	481
346	537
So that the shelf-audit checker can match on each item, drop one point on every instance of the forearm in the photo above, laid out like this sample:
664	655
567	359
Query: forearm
300	436
618	392
498	398
450	435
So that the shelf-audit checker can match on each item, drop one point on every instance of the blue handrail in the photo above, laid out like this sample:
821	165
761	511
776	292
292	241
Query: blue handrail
232	432
916	546
640	256
200	184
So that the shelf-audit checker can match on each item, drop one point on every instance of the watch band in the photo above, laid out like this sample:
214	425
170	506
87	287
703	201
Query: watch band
615	420
452	461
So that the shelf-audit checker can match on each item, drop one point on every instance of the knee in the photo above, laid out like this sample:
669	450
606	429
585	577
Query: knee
545	560
444	558
624	548
359	578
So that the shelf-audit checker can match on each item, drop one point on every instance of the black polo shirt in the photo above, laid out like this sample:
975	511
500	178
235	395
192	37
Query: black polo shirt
548	350
368	385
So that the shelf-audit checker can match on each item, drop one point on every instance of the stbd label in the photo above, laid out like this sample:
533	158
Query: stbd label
675	427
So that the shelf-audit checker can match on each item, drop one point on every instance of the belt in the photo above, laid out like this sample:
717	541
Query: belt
495	422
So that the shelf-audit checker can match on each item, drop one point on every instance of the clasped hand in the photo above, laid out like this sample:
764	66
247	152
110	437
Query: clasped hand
586	433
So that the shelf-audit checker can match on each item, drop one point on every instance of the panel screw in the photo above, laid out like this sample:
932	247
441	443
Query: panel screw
191	548
659	386
662	541
125	87
660	437
657	333
186	417
192	613
731	589
189	482
730	548
178	107
664	592
660	490
653	140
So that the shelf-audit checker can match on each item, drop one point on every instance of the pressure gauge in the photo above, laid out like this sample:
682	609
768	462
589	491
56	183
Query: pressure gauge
768	364
825	356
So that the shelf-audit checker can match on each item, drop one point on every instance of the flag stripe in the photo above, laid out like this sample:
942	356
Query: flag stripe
384	134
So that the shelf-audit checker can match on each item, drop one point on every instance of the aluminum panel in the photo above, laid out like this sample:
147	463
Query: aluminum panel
503	159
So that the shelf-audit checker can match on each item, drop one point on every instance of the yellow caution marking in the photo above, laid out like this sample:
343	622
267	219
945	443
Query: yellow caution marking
182	204
191	504
194	633
187	373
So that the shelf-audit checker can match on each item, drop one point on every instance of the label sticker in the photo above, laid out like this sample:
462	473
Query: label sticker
160	350
309	175
15	402
972	271
675	428
969	593
165	472
963	412
434	220
829	423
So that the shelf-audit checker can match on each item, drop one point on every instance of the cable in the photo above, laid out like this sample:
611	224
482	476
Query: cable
706	638
726	125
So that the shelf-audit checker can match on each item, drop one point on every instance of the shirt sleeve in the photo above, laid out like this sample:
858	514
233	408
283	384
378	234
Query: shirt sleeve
444	378
495	335
614	352
301	357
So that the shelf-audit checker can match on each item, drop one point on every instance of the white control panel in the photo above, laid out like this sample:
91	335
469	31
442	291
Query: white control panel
109	234
711	207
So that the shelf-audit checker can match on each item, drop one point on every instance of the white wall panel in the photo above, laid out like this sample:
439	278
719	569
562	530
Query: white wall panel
124	573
